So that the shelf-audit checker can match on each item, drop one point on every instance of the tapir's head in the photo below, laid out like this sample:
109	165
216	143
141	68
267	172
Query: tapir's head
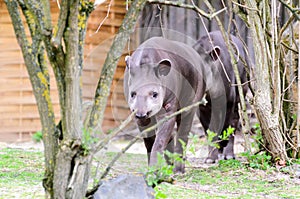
208	51
144	84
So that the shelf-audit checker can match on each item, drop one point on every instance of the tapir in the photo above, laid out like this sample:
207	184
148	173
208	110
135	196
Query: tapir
216	115
161	77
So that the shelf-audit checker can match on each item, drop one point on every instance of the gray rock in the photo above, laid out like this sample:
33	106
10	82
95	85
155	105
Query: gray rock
126	186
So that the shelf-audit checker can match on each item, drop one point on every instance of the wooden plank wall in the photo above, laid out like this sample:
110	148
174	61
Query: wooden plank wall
97	46
19	117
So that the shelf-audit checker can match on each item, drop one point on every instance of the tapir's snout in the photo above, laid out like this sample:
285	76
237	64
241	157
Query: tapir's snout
141	115
145	100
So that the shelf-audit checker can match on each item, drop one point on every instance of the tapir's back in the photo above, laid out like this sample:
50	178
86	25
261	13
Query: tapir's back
161	48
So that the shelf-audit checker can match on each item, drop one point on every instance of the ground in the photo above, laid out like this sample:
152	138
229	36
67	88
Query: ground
21	173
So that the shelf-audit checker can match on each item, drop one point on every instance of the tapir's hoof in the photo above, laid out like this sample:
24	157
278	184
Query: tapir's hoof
229	157
214	158
210	161
179	169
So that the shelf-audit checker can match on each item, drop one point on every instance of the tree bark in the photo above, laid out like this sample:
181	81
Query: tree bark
268	119
297	142
69	156
38	73
68	153
231	50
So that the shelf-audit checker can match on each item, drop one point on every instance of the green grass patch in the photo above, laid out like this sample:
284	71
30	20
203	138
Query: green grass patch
21	174
232	179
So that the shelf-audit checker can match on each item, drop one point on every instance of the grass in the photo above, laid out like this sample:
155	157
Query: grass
21	174
233	181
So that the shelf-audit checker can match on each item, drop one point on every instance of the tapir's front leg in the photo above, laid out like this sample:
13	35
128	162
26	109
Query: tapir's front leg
149	138
184	123
163	136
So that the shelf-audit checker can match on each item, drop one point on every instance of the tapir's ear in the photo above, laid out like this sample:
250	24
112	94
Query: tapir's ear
163	68
127	60
215	53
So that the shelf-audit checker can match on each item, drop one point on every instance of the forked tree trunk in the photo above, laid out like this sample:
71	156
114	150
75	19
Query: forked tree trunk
68	154
267	114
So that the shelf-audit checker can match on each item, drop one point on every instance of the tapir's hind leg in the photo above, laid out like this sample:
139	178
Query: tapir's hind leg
229	149
213	155
213	118
235	123
204	115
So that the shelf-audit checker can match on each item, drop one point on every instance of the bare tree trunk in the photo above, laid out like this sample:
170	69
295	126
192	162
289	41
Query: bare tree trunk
297	142
268	118
38	73
68	154
69	178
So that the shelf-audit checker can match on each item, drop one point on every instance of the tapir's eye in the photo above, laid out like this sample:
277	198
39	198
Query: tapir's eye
154	94
133	94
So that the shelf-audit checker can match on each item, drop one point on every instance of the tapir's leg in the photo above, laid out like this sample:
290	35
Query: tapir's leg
234	122
170	148
218	114
149	141
184	124
163	136
228	150
213	154
150	137
204	114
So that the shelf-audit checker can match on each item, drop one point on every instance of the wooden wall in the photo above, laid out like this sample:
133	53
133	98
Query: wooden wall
19	117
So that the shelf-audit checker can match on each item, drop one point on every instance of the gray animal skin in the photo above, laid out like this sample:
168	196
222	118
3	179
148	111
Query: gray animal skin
216	49
161	77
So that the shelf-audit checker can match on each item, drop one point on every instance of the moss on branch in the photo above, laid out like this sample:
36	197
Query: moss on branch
38	73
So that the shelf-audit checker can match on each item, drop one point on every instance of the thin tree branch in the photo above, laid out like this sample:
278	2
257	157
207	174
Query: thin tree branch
144	132
244	6
243	84
289	48
104	142
294	11
187	6
107	14
245	119
12	7
85	9
285	26
39	22
32	23
96	115
59	29
141	135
